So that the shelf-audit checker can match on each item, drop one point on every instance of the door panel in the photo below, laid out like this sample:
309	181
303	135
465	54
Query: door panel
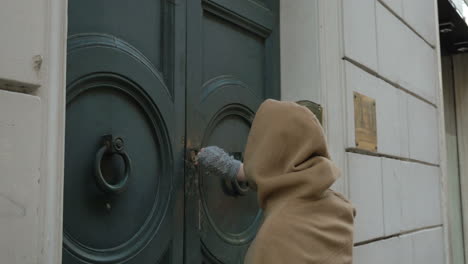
142	25
228	222
230	49
125	123
232	66
129	107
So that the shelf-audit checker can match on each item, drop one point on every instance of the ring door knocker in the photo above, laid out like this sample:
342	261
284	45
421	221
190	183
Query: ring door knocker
112	146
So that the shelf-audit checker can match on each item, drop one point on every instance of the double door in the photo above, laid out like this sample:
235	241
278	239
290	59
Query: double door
150	82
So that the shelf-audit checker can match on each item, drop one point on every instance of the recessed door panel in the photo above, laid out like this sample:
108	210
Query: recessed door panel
126	20
232	55
230	49
125	113
228	221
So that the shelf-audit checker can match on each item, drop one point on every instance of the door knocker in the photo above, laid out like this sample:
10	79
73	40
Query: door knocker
112	146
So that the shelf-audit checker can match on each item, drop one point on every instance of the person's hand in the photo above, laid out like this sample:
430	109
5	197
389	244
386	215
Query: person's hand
215	160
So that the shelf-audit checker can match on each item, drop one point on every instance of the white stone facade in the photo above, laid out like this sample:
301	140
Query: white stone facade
391	55
32	81
385	49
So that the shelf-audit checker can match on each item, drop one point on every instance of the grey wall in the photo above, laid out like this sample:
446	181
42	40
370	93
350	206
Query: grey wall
390	55
300	70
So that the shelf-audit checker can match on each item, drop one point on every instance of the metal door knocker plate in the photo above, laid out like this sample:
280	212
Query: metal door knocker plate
112	146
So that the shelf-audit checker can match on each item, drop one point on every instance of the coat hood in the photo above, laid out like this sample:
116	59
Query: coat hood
286	155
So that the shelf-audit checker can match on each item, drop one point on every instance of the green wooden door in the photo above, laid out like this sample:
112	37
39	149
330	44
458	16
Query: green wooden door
148	82
232	66
122	82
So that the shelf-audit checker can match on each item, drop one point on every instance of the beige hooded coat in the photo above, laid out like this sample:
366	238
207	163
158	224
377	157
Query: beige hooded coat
287	161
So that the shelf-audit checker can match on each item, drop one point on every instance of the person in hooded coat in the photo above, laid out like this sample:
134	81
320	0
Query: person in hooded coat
287	162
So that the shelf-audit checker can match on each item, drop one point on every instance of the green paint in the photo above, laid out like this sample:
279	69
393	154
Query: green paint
168	77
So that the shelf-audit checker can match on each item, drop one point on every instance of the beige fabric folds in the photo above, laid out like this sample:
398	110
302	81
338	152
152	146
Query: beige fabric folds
287	161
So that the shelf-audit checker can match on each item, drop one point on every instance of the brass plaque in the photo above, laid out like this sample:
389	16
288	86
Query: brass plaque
365	122
314	107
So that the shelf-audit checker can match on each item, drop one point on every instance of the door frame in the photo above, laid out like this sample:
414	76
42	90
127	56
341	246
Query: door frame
52	94
52	160
330	53
460	68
